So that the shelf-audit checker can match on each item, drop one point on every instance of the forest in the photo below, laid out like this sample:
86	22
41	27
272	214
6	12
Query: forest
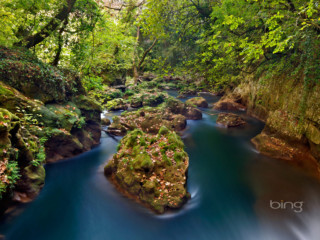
154	99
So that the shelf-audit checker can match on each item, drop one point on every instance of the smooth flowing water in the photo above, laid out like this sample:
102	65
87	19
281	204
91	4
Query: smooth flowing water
231	187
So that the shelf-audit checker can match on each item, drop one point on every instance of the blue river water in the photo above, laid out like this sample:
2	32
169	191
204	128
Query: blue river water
230	183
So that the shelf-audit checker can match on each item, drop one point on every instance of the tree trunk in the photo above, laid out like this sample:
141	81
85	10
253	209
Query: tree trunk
146	53
37	38
60	44
135	57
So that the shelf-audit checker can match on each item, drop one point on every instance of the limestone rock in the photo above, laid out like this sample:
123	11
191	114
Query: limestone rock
198	102
230	120
151	169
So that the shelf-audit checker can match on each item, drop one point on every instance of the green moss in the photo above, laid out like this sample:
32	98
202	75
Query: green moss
165	159
67	116
175	139
5	90
132	138
163	130
179	157
87	103
143	161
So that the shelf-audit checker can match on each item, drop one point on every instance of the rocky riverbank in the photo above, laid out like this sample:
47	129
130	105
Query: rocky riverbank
291	113
45	116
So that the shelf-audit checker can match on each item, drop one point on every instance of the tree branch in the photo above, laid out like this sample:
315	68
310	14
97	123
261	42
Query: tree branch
146	52
37	38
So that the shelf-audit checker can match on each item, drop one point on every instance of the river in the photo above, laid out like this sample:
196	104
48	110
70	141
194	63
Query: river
230	183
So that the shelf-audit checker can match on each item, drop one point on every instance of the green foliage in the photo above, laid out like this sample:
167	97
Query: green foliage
12	173
41	155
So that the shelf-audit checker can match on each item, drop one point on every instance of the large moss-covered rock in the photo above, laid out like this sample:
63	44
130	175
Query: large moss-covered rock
151	169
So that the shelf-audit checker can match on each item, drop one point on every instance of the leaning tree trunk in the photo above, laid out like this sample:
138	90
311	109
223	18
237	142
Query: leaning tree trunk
146	53
37	38
56	60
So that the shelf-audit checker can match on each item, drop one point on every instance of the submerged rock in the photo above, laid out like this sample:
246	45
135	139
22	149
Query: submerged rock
198	102
230	120
151	169
295	153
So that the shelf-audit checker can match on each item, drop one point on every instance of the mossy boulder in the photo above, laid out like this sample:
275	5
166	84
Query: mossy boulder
177	107
116	105
66	116
153	99
13	100
228	104
151	169
147	119
198	102
45	116
105	121
186	92
136	102
150	97
230	120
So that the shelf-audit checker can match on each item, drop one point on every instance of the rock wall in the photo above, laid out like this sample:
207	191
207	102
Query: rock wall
45	116
292	130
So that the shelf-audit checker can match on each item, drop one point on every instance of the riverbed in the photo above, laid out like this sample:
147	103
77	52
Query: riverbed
231	186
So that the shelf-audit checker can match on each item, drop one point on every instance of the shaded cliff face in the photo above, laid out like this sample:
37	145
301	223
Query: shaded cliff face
45	116
292	117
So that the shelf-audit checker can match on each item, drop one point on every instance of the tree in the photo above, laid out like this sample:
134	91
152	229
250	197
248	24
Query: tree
34	39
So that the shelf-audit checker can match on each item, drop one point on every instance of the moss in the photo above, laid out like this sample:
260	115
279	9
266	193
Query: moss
143	161
116	104
165	159
67	116
178	157
5	90
163	130
175	139
87	103
36	177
